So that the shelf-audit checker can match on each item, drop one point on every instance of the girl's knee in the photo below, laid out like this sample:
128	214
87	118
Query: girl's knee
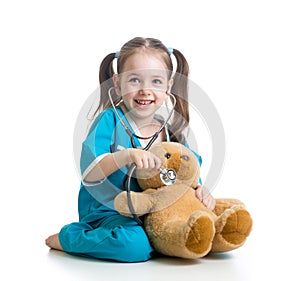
135	245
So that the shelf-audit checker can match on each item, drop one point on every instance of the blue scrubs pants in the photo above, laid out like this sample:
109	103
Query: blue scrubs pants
114	237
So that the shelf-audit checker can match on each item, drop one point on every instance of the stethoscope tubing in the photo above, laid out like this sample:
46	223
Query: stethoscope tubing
131	134
127	178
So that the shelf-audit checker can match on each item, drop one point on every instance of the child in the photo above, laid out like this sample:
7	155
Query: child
142	85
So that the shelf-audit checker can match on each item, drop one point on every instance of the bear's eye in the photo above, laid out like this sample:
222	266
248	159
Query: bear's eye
167	155
185	157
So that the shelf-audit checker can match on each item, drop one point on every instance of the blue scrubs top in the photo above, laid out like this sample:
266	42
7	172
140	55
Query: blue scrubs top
106	135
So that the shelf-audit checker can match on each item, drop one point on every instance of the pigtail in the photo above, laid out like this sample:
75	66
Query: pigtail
106	73
180	90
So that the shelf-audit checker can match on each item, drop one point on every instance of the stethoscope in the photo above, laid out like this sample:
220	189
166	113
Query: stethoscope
167	176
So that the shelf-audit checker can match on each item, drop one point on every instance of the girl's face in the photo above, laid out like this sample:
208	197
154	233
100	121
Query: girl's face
143	84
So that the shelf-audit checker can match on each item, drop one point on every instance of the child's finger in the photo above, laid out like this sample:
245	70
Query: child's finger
157	162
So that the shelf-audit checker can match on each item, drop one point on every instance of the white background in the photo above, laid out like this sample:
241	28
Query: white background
243	54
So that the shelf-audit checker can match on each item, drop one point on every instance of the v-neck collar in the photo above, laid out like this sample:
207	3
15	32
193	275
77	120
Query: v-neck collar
135	129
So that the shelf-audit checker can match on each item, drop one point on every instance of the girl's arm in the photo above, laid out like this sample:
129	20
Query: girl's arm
114	161
203	194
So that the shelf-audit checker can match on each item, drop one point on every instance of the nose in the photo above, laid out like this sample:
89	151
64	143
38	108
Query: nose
145	92
145	89
146	86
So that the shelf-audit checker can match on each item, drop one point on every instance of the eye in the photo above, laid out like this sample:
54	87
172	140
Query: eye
167	155
157	81
185	157
134	80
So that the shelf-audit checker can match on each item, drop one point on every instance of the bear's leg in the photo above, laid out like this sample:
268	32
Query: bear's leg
201	231
189	238
232	229
224	204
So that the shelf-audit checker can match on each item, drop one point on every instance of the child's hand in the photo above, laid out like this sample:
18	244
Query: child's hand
205	197
144	159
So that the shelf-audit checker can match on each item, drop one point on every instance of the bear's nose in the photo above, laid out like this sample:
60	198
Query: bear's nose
185	157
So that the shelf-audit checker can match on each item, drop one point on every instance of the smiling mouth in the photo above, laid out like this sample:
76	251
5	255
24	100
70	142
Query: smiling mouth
144	102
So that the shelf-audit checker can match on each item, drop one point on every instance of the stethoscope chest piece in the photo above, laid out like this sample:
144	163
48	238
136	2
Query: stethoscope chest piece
167	176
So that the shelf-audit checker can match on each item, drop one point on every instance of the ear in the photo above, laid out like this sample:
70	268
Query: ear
116	81
170	84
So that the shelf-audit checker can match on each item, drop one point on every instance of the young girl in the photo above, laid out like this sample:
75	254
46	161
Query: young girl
140	87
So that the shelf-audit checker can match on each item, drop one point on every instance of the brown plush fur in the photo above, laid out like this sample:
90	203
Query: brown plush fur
177	223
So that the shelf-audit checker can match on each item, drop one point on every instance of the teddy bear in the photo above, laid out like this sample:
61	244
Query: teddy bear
175	220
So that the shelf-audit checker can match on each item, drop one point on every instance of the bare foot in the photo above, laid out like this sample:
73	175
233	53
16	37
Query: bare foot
53	242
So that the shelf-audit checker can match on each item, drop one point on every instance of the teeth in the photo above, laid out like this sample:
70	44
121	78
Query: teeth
144	102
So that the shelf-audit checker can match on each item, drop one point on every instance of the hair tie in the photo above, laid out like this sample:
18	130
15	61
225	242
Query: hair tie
170	51
117	54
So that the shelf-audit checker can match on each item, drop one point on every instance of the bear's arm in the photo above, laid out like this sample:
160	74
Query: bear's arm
151	200
141	201
167	195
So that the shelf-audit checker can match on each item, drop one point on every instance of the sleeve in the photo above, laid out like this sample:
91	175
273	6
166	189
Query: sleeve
97	144
198	157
